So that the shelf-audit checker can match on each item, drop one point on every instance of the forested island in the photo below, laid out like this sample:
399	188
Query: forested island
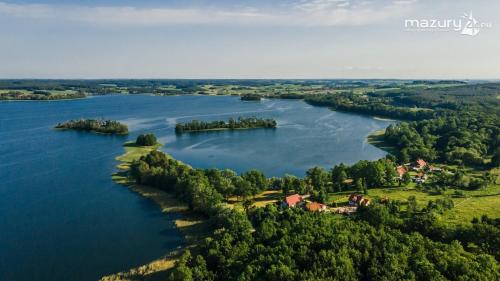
94	125
232	124
250	97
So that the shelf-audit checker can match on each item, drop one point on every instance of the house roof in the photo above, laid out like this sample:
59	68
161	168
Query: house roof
315	206
364	202
421	163
292	200
401	170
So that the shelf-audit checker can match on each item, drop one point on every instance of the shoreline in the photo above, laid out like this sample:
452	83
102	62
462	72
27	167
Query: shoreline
376	139
384	119
190	226
28	100
90	131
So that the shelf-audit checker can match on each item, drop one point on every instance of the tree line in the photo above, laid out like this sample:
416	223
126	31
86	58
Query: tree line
159	170
361	104
202	189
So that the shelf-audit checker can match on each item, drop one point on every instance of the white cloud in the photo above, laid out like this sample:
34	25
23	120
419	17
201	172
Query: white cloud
304	13
321	5
405	2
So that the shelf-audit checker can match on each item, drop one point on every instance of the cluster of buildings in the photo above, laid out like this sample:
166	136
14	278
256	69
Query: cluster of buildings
354	201
420	166
299	201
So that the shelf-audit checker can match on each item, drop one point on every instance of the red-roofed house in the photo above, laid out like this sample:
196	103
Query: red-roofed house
401	170
364	202
293	200
419	164
315	207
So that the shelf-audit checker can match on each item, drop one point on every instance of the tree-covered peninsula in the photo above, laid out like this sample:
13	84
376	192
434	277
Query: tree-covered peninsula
252	240
98	126
232	124
39	95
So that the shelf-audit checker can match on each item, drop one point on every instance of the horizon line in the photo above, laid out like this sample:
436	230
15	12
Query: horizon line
149	78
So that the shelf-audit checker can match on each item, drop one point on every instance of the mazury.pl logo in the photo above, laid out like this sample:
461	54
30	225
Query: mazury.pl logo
467	25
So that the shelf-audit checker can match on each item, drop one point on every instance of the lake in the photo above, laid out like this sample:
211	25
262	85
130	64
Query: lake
63	218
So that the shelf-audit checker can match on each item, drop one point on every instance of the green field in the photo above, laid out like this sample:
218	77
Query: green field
474	203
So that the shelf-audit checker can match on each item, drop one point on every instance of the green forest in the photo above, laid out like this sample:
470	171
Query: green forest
376	244
231	124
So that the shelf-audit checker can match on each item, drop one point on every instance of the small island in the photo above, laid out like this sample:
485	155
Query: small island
232	124
251	97
98	126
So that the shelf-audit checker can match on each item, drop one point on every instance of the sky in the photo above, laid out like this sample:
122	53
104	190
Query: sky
287	39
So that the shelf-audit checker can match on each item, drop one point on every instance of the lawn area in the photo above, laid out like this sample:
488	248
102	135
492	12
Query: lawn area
261	200
267	197
474	204
133	152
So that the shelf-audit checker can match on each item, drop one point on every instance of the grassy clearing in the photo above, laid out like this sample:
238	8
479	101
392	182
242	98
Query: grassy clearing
475	203
261	200
133	152
267	197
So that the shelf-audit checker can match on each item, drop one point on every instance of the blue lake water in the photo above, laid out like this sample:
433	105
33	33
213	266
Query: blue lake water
63	218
